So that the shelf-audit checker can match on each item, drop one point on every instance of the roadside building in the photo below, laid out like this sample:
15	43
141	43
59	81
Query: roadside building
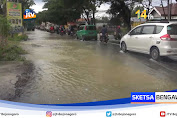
162	12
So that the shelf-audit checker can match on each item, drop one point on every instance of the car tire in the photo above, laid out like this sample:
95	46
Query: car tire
155	54
123	47
96	38
77	37
82	38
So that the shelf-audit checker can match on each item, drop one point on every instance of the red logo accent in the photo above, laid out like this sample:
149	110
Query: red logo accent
162	114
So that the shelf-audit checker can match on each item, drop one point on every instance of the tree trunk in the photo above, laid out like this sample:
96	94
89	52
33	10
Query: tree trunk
163	10
3	41
94	23
88	21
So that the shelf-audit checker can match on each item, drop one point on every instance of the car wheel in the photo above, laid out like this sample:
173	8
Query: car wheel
77	37
124	47
155	54
83	38
96	39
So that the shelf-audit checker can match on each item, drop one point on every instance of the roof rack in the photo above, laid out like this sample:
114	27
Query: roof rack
158	21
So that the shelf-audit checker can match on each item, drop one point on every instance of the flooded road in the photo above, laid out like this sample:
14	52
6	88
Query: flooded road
72	71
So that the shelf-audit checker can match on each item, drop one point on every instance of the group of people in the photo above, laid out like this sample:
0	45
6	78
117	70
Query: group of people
62	29
117	32
70	31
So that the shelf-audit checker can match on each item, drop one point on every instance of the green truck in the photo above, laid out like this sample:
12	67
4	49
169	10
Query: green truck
87	32
30	25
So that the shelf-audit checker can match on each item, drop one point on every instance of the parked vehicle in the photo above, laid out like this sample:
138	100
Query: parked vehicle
42	26
56	27
156	39
48	25
30	25
62	30
87	32
52	30
72	33
118	36
71	30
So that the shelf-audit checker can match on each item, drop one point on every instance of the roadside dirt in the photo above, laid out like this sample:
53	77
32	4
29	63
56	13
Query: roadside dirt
13	77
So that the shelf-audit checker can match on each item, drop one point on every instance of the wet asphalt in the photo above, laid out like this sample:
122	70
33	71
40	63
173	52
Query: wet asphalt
68	70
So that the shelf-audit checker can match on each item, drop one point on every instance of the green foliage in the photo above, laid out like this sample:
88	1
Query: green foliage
62	11
11	53
136	9
119	9
4	27
18	38
26	4
59	12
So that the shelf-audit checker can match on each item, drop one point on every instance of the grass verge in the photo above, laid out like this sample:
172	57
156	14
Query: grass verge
12	51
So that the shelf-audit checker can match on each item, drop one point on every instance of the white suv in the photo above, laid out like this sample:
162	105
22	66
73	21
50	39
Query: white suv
156	39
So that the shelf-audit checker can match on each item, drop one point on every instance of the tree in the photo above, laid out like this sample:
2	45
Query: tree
135	10
4	30
147	4
26	4
60	12
119	9
70	10
2	7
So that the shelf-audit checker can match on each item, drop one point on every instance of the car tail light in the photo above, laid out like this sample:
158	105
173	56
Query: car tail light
85	27
166	37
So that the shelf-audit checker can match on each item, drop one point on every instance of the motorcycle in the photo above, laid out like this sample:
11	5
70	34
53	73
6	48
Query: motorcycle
71	33
118	36
62	32
104	38
52	30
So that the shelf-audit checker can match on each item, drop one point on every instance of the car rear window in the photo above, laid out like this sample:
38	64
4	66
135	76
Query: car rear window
91	28
81	27
159	29
172	29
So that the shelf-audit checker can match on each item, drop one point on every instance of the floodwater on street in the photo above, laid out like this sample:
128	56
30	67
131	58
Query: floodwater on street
72	71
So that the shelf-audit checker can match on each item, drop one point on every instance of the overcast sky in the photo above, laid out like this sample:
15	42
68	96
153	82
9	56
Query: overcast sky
39	4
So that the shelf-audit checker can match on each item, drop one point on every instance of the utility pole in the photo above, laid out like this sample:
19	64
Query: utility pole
168	3
171	5
163	9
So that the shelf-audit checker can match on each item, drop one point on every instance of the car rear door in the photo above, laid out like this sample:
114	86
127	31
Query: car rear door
172	31
91	30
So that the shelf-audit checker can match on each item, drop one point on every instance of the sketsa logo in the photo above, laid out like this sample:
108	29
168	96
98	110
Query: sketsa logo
48	114
29	14
142	97
108	113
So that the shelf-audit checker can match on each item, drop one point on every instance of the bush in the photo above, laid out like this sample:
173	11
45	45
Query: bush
9	50
4	26
18	38
11	53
